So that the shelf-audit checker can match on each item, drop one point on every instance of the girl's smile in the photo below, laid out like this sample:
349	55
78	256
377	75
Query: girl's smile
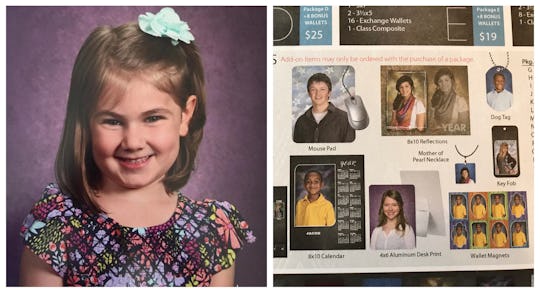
405	89
390	208
134	163
445	84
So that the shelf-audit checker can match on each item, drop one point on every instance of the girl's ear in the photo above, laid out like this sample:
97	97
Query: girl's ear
187	114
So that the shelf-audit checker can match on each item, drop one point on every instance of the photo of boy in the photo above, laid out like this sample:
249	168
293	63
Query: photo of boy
518	208
479	236
459	240
519	238
478	207
499	235
459	210
314	209
498	209
499	98
319	119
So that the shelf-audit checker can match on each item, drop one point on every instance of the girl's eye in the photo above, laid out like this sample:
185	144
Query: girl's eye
154	118
112	122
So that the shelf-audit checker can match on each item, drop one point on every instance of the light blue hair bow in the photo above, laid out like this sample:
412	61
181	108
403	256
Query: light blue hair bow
166	23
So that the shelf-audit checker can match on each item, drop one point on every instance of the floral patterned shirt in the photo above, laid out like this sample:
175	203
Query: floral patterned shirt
89	249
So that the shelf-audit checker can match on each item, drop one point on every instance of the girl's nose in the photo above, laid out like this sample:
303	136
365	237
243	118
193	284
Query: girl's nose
133	138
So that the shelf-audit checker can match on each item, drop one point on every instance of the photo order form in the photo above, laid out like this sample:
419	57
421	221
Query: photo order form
403	138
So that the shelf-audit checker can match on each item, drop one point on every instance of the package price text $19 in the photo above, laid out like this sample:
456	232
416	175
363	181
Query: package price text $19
488	36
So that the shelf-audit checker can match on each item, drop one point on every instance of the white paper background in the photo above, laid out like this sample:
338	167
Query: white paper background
386	157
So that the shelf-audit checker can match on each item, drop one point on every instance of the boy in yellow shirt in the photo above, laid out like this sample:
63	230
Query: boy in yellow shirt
499	237
518	210
314	209
519	239
459	239
459	211
478	209
479	238
497	209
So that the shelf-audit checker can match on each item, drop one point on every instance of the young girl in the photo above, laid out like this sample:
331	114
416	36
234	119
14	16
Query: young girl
135	118
392	232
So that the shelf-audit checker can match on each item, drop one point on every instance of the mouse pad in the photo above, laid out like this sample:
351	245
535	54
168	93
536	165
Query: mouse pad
300	97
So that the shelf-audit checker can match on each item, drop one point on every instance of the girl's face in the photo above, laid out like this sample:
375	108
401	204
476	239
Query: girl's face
135	134
445	83
390	208
465	174
504	149
405	89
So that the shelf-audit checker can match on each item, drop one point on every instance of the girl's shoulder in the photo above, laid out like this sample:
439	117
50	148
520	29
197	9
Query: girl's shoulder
207	206
223	216
461	102
53	206
408	229
53	202
377	229
205	203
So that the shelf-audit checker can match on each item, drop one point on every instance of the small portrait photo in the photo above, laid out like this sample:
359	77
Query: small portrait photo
478	204
392	210
279	210
479	234
458	206
405	100
315	195
519	234
459	235
319	109
518	205
506	157
448	111
498	205
499	234
465	173
499	88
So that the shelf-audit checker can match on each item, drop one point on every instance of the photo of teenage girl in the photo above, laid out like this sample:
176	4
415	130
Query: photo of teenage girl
392	231
408	112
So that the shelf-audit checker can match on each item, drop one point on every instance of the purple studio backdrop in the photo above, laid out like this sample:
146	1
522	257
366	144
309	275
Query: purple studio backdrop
42	43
